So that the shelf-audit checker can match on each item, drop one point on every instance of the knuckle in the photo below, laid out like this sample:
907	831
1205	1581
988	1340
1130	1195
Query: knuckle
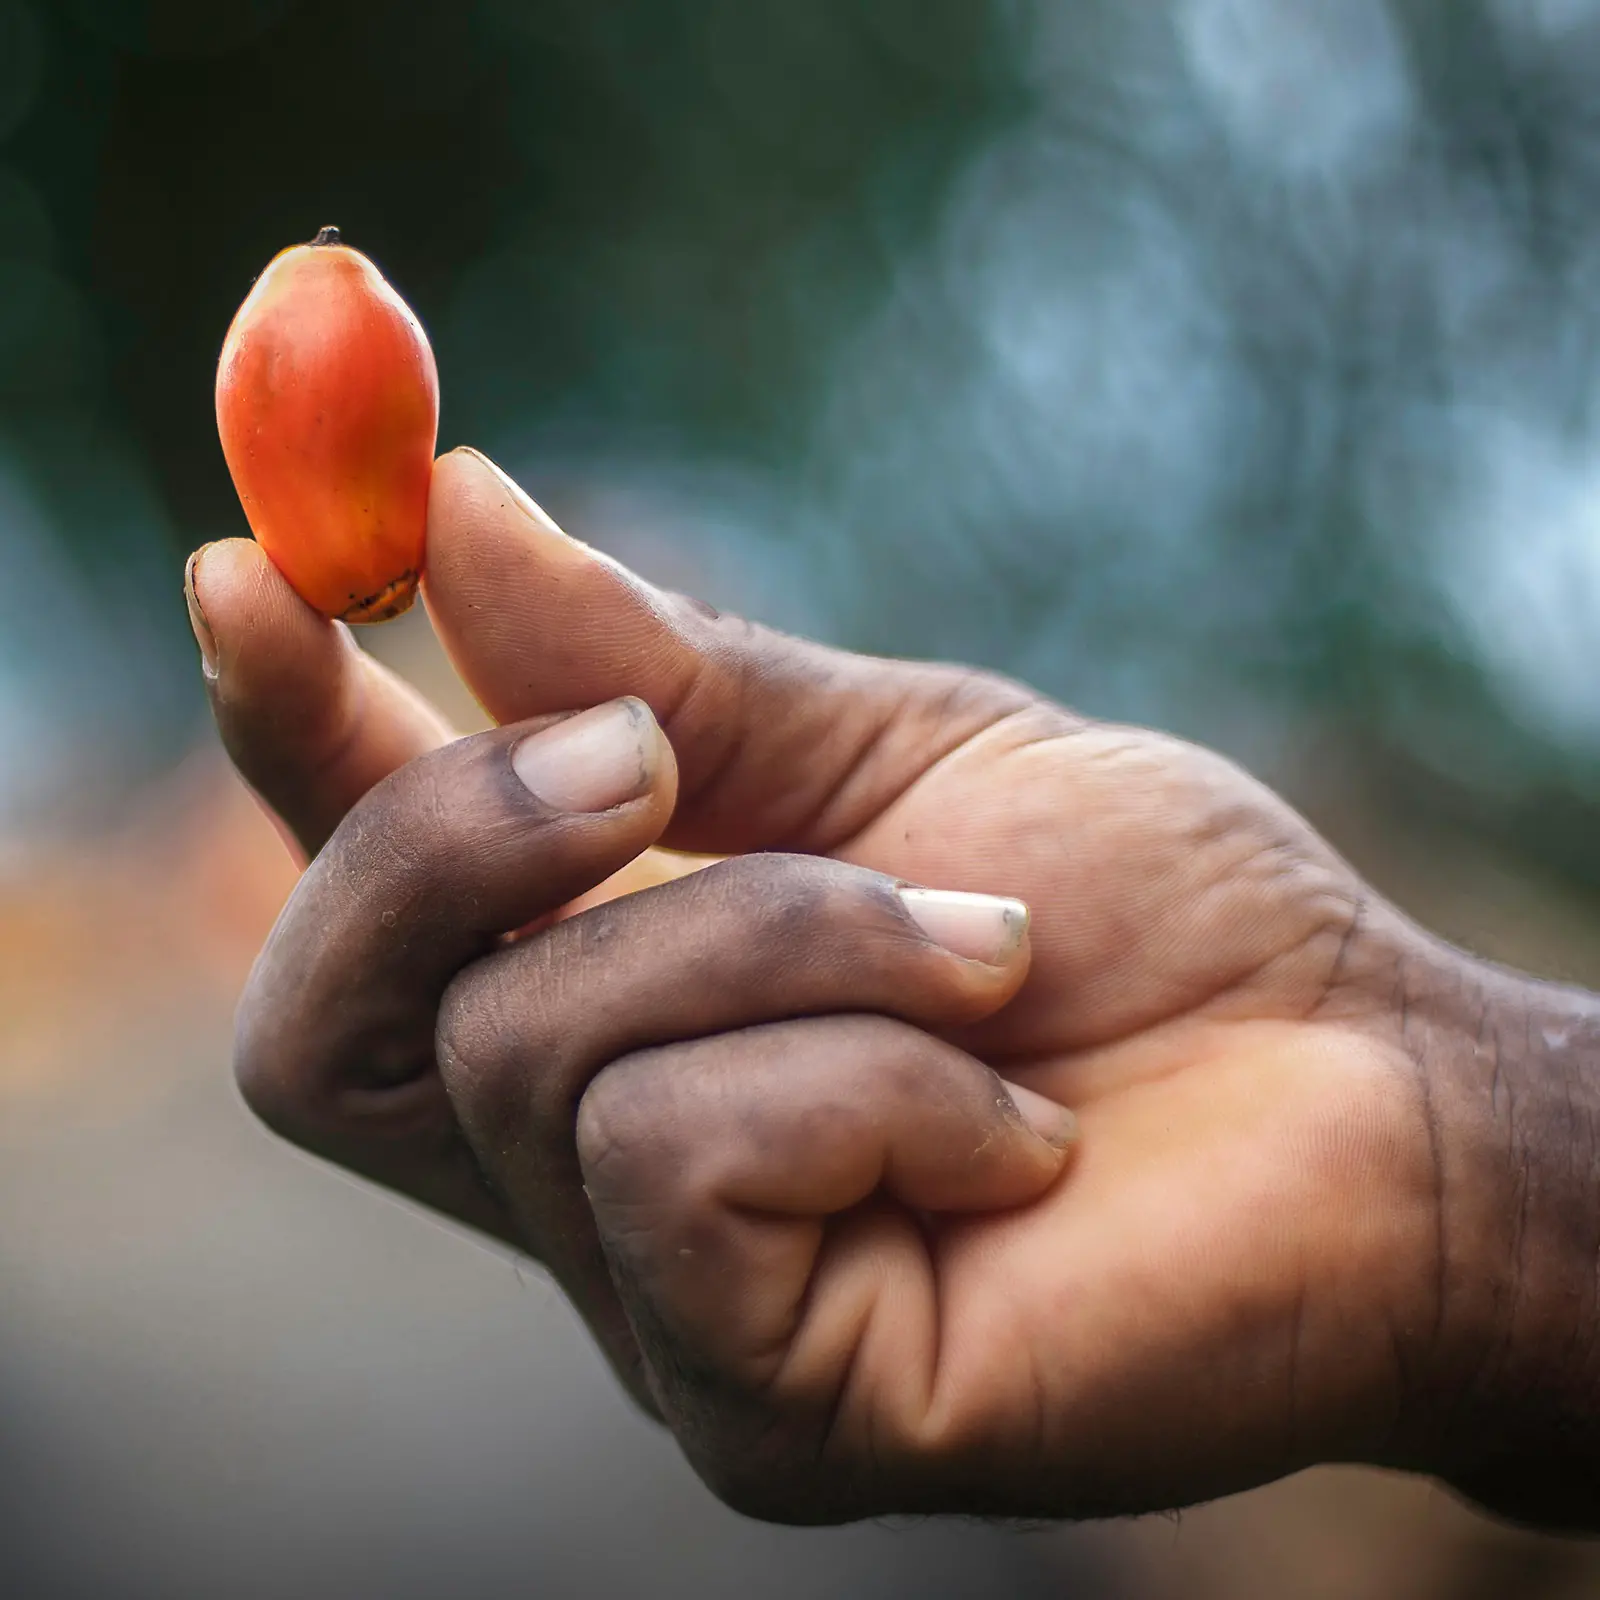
414	837
607	1132
259	1088
791	900
911	1066
497	1045
656	1180
626	1127
456	1026
274	1096
548	1053
475	1042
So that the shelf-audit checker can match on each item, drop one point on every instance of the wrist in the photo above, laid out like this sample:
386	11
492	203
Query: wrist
1508	1394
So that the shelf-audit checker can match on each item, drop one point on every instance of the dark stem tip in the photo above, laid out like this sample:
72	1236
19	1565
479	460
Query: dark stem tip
326	236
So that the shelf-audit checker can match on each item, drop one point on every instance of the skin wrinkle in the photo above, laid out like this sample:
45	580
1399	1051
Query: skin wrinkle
398	1101
829	1454
1352	931
874	1180
1457	1393
1389	1448
695	670
1495	1361
845	848
910	705
1582	1334
1519	1261
728	759
722	671
1066	726
810	823
842	1398
772	1353
1223	991
1516	1167
1224	888
1441	1250
1548	1273
805	1300
1589	1327
1343	914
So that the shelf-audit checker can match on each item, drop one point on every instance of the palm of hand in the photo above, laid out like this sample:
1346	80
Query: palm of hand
1217	1289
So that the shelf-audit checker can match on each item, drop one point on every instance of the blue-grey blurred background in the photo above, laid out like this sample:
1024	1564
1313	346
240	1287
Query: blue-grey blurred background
1227	364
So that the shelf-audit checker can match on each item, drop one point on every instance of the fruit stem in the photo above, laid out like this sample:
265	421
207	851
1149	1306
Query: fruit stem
326	236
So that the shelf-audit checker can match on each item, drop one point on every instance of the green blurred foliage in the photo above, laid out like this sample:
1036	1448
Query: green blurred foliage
646	212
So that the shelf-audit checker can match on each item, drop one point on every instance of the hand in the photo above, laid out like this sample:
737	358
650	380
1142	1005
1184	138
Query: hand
817	1233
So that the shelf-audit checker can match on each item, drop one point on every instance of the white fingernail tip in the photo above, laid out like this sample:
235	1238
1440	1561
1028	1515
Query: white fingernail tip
977	927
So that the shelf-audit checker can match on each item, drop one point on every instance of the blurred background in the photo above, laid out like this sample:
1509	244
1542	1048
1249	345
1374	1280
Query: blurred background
1228	364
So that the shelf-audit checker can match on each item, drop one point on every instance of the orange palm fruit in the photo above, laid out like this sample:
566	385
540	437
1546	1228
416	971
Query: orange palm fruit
328	408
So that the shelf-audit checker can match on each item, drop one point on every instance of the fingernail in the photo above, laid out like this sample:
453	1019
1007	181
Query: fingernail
197	617
1049	1119
593	761
978	927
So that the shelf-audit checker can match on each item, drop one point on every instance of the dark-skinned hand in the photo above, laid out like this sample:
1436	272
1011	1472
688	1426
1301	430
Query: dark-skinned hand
881	1198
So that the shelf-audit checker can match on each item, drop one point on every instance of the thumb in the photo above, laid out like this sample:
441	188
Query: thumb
781	743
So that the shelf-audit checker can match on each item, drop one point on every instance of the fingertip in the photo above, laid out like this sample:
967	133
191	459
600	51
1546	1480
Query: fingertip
534	621
468	469
599	759
984	928
479	518
240	591
466	482
282	669
198	621
972	949
1053	1122
646	719
246	618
